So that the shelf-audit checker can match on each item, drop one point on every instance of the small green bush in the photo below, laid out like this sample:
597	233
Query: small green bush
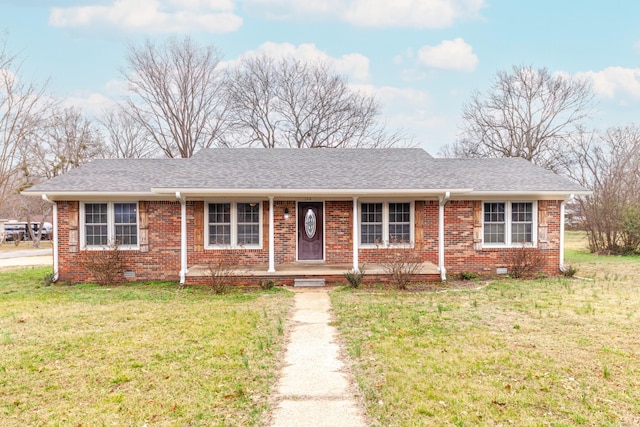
467	275
266	285
569	271
354	278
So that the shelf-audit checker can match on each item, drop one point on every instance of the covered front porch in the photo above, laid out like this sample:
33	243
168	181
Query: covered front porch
287	273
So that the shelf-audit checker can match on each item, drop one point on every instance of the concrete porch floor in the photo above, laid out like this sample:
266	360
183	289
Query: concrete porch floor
306	269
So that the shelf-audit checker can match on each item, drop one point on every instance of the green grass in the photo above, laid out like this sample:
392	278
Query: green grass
138	354
555	352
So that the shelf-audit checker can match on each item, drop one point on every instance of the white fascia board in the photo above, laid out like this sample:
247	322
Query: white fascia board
533	195
97	195
295	192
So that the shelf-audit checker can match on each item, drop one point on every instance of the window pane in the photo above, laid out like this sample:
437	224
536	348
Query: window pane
494	233
219	213
494	212
219	223
125	221
371	223
521	233
522	223
219	234
399	222
248	223
95	219
522	212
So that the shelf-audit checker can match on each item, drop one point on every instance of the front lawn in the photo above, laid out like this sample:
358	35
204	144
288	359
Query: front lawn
138	354
558	352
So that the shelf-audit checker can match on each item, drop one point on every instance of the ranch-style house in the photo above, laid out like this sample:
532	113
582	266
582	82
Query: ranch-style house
287	214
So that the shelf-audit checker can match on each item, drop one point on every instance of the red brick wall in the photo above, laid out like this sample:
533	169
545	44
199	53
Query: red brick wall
162	260
460	254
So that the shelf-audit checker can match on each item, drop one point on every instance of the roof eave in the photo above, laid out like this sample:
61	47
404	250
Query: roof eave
313	192
539	195
94	195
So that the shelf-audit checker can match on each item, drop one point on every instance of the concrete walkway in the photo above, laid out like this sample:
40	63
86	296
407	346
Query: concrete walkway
314	389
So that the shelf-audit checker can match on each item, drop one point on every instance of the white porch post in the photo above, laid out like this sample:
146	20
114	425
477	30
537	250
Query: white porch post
355	239
442	201
272	261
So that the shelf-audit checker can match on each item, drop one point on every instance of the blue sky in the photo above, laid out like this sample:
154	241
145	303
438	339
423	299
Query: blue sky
422	59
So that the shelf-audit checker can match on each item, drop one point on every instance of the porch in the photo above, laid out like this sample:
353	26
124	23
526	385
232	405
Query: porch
288	272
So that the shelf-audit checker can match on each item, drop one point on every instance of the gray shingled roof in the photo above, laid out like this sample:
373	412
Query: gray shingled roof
308	169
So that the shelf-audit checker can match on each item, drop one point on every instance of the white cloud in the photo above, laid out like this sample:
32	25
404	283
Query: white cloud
354	65
92	104
410	13
615	81
215	16
374	13
453	54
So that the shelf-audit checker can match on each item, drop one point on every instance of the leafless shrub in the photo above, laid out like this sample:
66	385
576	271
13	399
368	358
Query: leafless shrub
523	261
106	266
221	272
401	265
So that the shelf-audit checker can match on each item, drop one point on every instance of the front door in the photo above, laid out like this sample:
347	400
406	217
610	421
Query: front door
310	231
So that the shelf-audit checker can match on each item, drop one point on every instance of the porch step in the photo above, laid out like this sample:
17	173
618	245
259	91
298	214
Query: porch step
307	283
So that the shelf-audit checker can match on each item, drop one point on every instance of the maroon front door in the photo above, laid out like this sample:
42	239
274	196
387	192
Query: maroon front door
310	231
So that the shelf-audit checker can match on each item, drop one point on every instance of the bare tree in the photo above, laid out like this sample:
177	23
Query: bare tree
65	140
527	113
290	103
125	138
176	89
609	164
22	108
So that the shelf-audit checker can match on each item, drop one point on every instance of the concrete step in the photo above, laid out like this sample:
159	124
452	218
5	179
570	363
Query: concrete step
307	283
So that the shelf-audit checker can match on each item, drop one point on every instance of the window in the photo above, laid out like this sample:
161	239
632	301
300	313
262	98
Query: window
233	225
509	223
371	223
106	223
386	223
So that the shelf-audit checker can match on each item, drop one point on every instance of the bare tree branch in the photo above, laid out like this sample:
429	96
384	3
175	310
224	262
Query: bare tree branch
177	96
290	103
125	138
527	113
22	108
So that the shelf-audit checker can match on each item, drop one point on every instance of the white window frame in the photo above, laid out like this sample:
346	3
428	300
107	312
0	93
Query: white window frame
233	225
385	225
111	226
508	224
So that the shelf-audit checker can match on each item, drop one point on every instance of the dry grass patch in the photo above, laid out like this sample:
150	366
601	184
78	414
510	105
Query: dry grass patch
138	354
553	352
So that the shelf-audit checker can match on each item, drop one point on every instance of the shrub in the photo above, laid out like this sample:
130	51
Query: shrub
48	279
106	266
467	275
523	261
354	278
401	265
266	285
569	271
221	272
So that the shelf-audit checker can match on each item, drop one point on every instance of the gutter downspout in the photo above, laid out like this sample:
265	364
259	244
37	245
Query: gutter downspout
561	257
442	201
55	236
183	237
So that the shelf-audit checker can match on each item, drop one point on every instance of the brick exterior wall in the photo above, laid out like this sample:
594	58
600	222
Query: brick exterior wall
159	254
